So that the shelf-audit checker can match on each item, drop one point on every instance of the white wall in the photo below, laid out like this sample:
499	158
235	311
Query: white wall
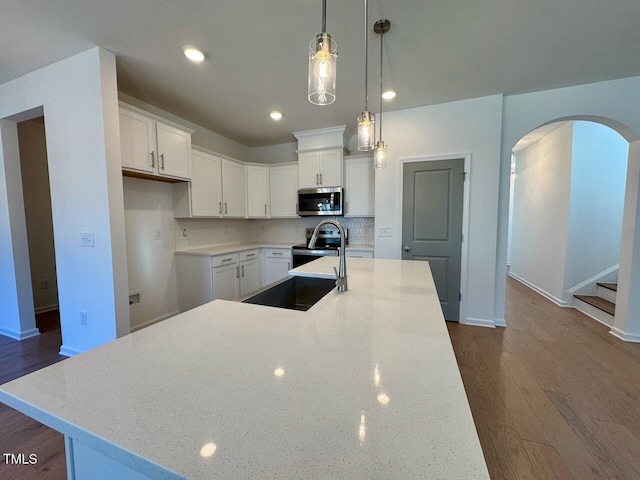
284	152
598	176
616	104
37	205
148	208
541	212
79	98
468	126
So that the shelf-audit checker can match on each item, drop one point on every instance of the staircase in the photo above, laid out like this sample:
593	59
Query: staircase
601	307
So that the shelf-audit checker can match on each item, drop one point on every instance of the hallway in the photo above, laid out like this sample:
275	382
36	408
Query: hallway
553	395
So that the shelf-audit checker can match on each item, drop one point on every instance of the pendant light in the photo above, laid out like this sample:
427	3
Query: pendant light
366	120
323	54
380	154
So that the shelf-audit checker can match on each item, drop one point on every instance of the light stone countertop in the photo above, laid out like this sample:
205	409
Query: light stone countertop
152	399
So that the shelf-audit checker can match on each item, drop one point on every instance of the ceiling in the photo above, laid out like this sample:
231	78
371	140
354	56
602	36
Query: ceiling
435	52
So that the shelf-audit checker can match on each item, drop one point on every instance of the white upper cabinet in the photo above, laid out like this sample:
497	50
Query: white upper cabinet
233	189
153	148
283	190
321	168
206	185
257	191
359	186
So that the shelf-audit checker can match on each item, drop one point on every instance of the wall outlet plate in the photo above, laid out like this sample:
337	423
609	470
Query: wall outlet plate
86	239
384	231
158	234
83	318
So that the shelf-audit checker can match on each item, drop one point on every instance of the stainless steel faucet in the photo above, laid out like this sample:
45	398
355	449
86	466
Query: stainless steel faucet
341	276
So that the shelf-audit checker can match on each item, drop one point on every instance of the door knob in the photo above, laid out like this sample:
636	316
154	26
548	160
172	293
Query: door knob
406	248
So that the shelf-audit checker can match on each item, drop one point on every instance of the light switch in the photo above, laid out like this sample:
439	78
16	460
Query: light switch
158	234
384	231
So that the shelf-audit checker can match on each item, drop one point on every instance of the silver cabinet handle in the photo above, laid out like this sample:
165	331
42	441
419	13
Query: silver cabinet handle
265	208
289	265
220	207
153	159
237	272
277	253
317	179
225	208
227	259
321	179
250	254
162	161
243	270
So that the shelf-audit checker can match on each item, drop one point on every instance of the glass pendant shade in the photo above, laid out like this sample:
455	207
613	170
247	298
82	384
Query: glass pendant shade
323	55
380	155
366	131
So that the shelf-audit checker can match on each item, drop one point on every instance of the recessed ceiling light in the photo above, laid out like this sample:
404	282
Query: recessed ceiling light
276	115
389	94
193	53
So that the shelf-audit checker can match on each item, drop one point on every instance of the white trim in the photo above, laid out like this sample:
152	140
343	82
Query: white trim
627	337
539	290
47	308
500	322
154	320
33	332
466	197
154	117
593	280
479	322
69	352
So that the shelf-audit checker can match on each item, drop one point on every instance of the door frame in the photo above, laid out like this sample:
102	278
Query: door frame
462	319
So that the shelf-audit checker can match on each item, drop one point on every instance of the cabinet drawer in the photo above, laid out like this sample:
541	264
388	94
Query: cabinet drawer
359	253
221	260
277	252
249	255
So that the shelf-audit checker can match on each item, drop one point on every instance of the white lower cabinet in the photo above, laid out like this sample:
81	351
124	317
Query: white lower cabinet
277	263
249	273
225	282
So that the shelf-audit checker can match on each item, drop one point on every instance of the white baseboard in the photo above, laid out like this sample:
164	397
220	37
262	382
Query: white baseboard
33	332
47	308
478	322
69	352
627	337
547	295
152	321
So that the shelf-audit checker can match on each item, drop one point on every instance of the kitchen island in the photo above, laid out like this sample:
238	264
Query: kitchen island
363	385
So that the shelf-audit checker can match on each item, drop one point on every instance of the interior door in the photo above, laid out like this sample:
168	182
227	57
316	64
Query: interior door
432	224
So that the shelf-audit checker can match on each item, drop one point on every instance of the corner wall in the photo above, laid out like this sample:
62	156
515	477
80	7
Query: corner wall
79	98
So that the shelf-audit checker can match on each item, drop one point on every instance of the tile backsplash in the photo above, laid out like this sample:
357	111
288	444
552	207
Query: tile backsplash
214	231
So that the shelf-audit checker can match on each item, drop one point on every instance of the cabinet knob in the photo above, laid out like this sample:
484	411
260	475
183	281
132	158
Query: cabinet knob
406	248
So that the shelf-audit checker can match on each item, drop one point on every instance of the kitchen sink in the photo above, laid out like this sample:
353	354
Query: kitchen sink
294	293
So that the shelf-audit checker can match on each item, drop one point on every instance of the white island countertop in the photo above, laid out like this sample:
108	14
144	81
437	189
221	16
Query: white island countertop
369	388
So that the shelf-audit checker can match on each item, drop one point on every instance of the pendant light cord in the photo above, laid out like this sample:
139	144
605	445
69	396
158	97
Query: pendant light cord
366	55
324	16
381	46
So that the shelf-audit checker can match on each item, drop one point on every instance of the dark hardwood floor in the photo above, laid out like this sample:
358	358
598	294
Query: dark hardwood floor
19	433
553	395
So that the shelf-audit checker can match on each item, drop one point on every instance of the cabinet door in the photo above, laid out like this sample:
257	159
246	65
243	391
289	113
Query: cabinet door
137	142
331	168
233	193
359	187
257	191
276	269
249	277
225	282
206	185
174	150
283	190
308	170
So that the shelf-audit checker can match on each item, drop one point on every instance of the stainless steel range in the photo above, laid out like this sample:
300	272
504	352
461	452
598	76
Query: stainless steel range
326	246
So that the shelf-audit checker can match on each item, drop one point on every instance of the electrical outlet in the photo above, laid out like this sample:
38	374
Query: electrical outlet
384	231
44	284
86	239
83	318
184	232
158	234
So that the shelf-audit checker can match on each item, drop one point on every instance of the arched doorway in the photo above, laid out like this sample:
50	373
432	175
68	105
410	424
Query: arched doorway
566	208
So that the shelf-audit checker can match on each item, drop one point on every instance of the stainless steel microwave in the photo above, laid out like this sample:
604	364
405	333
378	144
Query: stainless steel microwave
320	201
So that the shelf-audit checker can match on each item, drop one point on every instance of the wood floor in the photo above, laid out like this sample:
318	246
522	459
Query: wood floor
18	433
553	395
